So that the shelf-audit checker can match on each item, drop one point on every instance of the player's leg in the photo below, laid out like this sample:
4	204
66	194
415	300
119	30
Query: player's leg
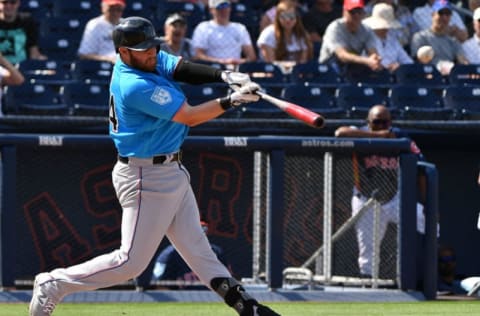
191	242
144	223
364	232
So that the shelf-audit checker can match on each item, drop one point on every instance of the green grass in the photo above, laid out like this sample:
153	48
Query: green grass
433	308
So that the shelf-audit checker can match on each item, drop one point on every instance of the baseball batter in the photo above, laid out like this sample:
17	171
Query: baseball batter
149	120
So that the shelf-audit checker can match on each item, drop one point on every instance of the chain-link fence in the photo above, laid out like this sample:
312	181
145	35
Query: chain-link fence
341	212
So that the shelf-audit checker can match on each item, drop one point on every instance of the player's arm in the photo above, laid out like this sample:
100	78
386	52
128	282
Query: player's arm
194	115
195	73
349	131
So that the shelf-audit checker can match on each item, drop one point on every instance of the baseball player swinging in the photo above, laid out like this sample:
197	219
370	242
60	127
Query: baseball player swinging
149	120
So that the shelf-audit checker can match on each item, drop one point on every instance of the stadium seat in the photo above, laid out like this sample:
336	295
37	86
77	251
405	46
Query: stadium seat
465	75
76	9
38	9
366	76
419	103
54	72
86	99
34	99
143	8
315	73
63	26
464	101
91	71
59	47
197	94
268	75
419	74
357	100
263	109
315	98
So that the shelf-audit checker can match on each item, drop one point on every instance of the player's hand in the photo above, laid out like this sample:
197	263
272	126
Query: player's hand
245	94
235	80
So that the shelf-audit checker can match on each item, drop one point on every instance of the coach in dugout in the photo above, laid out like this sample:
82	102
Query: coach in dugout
377	176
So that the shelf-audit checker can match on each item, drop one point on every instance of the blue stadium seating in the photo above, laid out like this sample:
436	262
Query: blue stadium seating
268	75
419	102
52	72
86	9
34	99
464	101
197	94
419	74
59	47
86	99
357	100
192	13
315	73
143	8
91	71
465	75
315	98
63	26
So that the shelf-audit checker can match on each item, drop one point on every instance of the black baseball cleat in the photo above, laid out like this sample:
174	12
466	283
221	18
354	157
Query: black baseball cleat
253	308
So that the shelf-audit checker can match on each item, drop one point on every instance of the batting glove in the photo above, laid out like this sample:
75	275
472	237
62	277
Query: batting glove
235	80
245	94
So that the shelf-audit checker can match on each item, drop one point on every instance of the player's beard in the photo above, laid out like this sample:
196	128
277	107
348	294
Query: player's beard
148	64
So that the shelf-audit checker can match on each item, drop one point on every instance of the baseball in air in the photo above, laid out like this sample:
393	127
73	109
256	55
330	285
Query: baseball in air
425	54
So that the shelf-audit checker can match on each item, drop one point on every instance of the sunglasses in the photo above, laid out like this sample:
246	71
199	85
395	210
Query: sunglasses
288	16
9	1
382	122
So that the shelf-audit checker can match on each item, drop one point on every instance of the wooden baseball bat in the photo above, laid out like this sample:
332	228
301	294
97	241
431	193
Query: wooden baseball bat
294	110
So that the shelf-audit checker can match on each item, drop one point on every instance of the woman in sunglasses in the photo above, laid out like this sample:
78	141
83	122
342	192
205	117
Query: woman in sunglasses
285	39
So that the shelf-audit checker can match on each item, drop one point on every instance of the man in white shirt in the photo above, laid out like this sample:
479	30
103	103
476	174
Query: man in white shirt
471	47
221	41
97	43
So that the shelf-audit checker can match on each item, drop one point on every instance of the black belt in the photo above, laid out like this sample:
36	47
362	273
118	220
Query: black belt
157	160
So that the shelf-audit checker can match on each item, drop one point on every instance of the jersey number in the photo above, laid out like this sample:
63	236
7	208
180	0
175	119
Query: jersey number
112	115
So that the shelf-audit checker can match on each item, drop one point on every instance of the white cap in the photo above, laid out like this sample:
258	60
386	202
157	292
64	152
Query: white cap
476	14
216	3
382	18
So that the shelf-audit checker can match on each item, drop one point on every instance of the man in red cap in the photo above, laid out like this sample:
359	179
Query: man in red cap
348	43
97	41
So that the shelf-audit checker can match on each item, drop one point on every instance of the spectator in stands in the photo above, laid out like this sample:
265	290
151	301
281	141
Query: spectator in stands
169	265
346	40
9	76
268	17
221	41
174	41
471	47
423	18
97	41
403	15
472	6
448	50
285	39
317	18
18	33
387	45
376	176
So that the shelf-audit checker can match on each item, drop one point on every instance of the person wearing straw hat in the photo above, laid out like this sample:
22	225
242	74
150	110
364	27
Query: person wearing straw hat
471	47
387	45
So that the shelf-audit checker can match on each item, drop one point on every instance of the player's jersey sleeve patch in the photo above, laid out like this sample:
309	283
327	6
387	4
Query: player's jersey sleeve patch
161	96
